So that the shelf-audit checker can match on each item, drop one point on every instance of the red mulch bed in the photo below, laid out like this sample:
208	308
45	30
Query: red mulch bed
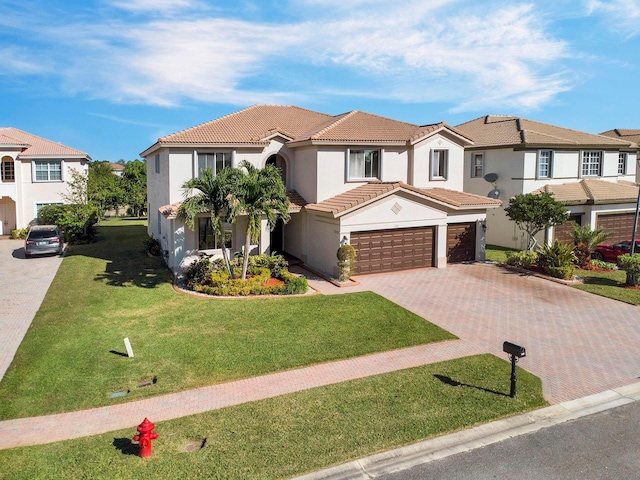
272	282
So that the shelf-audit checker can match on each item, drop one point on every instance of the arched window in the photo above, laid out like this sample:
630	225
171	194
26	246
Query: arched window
7	170
280	163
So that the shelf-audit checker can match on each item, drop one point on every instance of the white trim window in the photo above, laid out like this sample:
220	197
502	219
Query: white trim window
207	240
216	161
363	164
622	163
439	164
591	163
477	165
8	170
545	163
47	170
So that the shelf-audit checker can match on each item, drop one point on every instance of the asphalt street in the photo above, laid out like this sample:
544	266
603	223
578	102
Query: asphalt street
605	445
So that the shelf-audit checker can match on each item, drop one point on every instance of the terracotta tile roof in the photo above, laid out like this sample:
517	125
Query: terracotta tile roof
37	146
498	131
629	134
592	191
255	125
250	126
296	203
371	191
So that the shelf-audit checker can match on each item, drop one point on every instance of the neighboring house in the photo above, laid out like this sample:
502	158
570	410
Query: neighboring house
591	174
391	189
116	168
34	173
628	134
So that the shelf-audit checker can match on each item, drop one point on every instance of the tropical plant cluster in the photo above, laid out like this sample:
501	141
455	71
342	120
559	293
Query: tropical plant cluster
211	277
77	221
152	246
557	260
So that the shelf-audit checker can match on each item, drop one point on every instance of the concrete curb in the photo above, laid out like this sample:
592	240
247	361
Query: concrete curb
440	447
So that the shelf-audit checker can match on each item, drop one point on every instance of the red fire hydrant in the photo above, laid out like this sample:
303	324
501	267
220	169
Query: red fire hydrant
145	437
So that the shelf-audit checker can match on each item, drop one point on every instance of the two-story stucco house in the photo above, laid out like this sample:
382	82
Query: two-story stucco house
391	189
34	172
593	175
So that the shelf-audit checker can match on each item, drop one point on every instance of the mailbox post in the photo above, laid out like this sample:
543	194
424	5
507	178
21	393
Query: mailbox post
515	353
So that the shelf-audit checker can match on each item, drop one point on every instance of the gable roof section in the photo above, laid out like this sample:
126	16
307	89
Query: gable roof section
35	146
370	192
628	134
505	131
592	192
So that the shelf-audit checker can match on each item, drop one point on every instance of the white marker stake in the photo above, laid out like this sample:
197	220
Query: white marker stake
127	344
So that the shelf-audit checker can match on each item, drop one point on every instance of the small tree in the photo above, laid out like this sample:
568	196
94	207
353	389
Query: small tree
134	185
585	240
534	212
630	264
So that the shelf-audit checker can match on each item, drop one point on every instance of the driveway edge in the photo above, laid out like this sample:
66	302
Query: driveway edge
426	451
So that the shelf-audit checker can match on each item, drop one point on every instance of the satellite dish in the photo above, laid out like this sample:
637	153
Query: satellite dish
491	177
495	193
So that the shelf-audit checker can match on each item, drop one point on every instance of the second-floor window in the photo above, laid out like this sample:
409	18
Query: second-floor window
477	165
439	164
157	161
364	164
545	159
216	161
591	163
8	170
47	171
622	163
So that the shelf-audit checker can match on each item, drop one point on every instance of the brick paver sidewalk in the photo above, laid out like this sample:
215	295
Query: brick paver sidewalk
53	428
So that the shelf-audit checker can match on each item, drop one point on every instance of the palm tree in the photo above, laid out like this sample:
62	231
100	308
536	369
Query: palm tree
258	193
211	194
585	240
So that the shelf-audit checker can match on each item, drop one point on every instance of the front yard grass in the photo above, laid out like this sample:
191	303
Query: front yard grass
605	284
71	357
296	433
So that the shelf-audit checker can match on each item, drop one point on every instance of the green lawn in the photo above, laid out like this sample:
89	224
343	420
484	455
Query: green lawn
296	433
605	284
71	356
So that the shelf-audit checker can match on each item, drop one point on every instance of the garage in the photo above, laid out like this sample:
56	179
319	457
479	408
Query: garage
461	242
620	224
564	232
392	250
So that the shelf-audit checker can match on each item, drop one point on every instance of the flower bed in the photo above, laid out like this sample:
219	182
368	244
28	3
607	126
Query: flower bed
266	275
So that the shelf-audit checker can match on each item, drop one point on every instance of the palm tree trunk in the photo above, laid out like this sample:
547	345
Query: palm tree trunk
245	258
225	253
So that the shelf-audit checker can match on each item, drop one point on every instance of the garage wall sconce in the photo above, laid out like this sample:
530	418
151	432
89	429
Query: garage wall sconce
344	241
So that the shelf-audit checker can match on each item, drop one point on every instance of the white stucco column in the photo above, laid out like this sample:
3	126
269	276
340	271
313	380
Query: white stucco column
265	237
441	246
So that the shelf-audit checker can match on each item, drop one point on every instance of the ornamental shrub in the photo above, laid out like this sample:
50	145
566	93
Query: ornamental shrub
557	259
19	233
604	265
346	261
630	264
152	245
523	258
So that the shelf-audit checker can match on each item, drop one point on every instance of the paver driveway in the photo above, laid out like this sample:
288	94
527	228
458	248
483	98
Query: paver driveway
578	343
23	285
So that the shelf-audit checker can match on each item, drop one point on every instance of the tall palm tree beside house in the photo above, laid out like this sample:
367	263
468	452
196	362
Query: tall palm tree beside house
585	240
210	194
259	193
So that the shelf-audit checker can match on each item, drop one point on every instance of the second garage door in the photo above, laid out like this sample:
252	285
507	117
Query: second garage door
392	250
620	224
461	242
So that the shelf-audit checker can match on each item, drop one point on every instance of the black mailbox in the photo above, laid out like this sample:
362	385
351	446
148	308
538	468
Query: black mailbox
513	349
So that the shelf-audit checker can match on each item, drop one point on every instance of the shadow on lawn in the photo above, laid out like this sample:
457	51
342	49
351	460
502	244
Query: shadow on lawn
127	261
454	383
126	446
604	281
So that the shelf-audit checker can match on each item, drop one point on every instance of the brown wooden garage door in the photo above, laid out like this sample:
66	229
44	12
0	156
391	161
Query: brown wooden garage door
391	250
564	232
461	242
620	224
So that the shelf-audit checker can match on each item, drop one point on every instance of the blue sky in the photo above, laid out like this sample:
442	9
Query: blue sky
111	76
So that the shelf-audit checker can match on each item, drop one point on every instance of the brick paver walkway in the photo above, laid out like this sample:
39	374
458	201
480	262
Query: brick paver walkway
23	285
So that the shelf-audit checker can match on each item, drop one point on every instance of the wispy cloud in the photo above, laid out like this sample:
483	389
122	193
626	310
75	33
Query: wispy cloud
127	121
471	57
621	15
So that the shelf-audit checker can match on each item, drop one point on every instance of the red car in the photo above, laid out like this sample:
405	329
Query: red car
610	253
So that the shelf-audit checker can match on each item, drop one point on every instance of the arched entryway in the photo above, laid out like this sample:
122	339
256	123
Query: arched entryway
280	163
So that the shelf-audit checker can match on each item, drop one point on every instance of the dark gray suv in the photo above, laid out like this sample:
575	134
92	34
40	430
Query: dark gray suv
43	239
